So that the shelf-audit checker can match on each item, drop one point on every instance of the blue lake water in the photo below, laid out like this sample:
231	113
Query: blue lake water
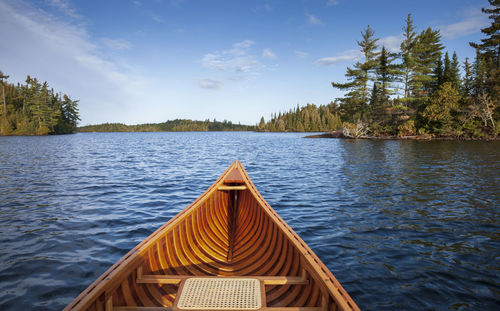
403	225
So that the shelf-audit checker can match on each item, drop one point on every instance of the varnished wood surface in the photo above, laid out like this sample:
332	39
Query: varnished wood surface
229	231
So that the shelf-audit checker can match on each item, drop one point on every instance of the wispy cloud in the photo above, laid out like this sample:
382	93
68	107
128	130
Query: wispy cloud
72	61
237	59
346	56
268	53
65	7
313	20
210	84
474	20
301	54
116	44
332	2
391	43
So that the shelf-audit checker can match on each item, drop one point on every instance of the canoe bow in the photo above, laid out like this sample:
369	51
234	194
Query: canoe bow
229	232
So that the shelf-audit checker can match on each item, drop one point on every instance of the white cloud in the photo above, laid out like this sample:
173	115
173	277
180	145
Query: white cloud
236	60
347	56
116	44
210	84
474	20
268	53
65	7
66	57
313	20
137	3
391	43
332	2
301	54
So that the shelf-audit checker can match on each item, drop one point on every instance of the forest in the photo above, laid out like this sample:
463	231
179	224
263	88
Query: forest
419	91
35	109
177	125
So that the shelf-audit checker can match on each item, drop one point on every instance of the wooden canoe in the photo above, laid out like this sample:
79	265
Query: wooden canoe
228	236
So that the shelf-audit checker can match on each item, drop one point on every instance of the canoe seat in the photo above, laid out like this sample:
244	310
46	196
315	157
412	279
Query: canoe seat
220	294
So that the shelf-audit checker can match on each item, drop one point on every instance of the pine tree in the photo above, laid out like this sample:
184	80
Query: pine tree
439	73
357	98
427	54
455	80
407	54
468	79
489	49
387	72
447	75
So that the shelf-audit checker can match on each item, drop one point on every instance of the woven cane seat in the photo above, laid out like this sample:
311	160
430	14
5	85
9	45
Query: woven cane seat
220	294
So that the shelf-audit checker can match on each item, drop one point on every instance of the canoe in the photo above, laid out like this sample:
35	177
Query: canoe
228	250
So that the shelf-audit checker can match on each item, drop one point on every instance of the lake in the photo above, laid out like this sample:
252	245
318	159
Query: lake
403	225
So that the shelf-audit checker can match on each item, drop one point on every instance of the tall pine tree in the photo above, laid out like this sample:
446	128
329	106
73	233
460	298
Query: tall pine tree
426	54
358	96
408	54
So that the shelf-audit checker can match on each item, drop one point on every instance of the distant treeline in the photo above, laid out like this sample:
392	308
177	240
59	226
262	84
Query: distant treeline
35	109
418	91
310	118
178	125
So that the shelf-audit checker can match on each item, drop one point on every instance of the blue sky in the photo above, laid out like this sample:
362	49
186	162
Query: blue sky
137	61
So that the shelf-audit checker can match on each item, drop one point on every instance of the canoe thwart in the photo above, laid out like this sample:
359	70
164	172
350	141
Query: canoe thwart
268	280
232	188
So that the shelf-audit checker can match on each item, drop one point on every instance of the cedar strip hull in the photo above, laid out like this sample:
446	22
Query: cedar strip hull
229	231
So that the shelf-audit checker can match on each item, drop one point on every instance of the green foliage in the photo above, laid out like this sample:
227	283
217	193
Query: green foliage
407	47
310	118
34	109
178	125
407	128
437	101
489	52
358	89
427	53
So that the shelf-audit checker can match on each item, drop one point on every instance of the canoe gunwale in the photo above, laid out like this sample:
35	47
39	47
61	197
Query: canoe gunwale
111	279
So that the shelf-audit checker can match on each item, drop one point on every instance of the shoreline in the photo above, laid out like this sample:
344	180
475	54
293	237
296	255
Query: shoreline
339	134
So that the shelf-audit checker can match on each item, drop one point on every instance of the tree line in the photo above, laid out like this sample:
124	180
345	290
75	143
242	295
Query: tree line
417	91
35	109
310	118
178	125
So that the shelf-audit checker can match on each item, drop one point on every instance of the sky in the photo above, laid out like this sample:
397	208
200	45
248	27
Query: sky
139	61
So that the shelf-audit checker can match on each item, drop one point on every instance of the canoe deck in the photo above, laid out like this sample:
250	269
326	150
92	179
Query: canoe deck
229	233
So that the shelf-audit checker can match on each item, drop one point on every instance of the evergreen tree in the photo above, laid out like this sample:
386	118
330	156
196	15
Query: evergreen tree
262	123
427	54
387	72
468	79
439	74
357	98
447	75
34	109
489	49
455	79
408	54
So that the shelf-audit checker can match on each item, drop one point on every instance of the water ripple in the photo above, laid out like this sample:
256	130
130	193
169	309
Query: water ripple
403	225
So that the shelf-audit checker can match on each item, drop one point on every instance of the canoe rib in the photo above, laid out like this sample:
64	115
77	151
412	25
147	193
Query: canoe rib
229	231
